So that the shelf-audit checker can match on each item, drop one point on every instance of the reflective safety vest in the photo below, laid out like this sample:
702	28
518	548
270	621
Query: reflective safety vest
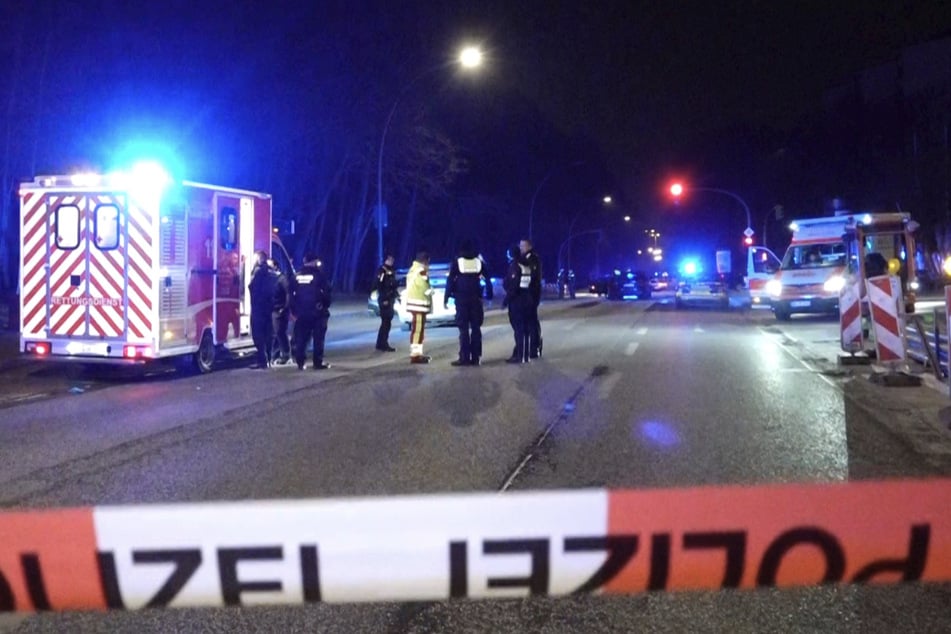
464	281
525	280
418	291
469	265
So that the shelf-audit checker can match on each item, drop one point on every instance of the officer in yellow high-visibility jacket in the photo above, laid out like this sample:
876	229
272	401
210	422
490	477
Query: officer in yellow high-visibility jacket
419	303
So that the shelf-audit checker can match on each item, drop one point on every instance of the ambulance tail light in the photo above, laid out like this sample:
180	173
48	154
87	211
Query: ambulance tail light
834	284
39	348
137	352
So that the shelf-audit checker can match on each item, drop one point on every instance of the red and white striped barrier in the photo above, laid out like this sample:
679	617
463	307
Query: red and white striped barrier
474	546
850	318
884	298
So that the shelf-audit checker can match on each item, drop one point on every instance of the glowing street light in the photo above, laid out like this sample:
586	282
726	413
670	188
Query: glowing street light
469	58
607	200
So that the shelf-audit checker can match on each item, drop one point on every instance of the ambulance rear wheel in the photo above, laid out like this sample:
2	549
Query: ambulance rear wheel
205	357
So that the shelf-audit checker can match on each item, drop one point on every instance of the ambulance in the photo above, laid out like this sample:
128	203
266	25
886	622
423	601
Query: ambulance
826	253
132	267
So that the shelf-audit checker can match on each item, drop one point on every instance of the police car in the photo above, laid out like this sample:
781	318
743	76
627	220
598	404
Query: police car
440	315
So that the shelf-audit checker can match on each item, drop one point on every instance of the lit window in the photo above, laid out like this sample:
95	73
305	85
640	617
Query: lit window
229	228
107	227
67	226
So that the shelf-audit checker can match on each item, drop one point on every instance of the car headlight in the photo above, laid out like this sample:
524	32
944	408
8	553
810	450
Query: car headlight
834	284
774	288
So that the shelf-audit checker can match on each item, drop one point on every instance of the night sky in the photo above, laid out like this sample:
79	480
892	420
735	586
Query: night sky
270	95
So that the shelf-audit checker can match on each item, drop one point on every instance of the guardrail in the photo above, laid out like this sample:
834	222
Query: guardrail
927	342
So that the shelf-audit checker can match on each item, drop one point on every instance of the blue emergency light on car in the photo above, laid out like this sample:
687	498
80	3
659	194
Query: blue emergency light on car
690	267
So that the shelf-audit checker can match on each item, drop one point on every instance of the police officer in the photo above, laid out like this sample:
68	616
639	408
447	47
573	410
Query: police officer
419	302
280	314
262	289
311	304
463	285
386	294
531	260
518	300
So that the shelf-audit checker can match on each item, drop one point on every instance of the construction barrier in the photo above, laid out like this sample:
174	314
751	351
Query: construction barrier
850	318
474	546
884	296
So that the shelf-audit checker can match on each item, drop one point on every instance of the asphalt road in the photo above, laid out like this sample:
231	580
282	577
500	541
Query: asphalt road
627	395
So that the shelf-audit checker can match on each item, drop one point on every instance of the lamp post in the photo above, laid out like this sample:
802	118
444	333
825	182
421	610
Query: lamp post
531	209
571	237
470	57
677	189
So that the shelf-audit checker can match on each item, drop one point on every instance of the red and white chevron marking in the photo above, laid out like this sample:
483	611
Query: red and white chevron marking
883	303
850	317
114	289
140	261
67	314
36	227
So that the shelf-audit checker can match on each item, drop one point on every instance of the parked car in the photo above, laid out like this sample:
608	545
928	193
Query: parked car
622	285
660	283
440	315
706	292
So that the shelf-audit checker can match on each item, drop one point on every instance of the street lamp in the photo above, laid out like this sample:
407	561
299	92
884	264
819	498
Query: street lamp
572	236
531	208
678	189
470	57
653	234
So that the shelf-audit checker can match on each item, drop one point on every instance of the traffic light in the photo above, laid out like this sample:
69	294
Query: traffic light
676	189
748	240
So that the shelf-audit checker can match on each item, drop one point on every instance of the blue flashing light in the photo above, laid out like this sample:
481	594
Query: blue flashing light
145	180
690	267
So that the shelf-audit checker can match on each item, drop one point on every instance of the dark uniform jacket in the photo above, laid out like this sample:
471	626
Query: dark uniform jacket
262	287
312	294
385	285
465	274
282	294
534	264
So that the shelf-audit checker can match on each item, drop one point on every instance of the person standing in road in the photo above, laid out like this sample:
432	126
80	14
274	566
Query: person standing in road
419	303
518	301
531	260
280	314
463	285
311	306
262	289
386	294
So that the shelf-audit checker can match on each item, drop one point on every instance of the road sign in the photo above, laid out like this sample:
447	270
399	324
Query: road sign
723	262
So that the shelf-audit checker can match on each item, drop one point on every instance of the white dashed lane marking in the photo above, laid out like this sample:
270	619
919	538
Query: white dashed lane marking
631	348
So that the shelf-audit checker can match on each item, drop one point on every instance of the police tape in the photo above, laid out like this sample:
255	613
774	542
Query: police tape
477	546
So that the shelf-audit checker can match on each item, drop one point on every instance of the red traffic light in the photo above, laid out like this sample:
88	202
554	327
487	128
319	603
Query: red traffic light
748	240
676	190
